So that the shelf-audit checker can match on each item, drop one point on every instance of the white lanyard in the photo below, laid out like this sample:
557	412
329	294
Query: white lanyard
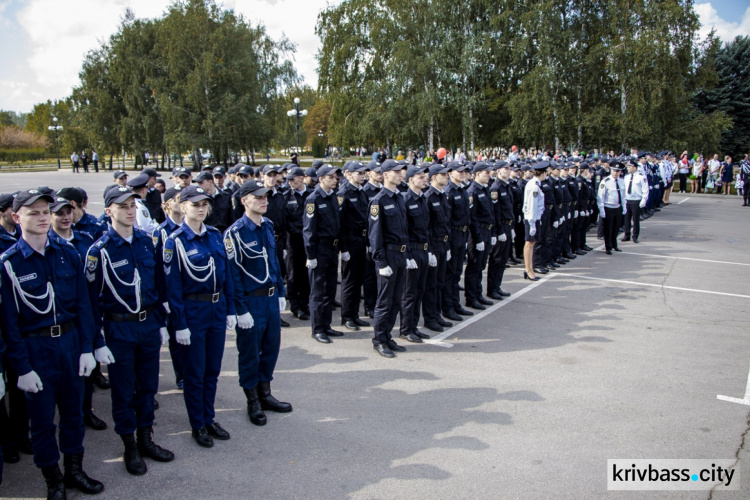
107	262
254	254
18	291
189	266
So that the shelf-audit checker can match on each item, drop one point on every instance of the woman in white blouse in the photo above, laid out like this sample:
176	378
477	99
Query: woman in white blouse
533	208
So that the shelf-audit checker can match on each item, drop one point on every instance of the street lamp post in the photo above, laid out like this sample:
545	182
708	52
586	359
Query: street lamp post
56	127
296	113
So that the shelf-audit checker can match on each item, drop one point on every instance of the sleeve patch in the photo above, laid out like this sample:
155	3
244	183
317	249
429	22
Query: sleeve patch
167	255
374	210
341	200
229	246
310	209
494	195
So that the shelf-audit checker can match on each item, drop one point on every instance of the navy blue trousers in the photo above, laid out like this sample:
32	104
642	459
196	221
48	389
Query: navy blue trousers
259	346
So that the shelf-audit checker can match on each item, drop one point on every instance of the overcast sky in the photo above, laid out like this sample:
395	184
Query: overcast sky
42	42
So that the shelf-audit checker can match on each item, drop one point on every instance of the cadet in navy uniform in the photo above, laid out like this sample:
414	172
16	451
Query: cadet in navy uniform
460	217
297	280
321	232
354	209
388	235
82	221
571	211
370	281
275	213
2	393
152	199
126	287
578	238
437	203
258	299
220	215
611	203
480	235
501	195
9	231
517	185
244	173
418	254
201	303
49	330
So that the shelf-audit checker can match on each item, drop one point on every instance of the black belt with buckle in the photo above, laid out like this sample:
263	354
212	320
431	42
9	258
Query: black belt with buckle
396	248
140	316
50	331
204	297
508	222
445	238
262	292
549	207
419	246
334	241
460	228
486	226
559	206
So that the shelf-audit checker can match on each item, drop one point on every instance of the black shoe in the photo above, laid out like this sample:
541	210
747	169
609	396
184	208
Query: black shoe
625	238
484	301
75	477
93	422
270	403
474	304
561	260
445	324
55	483
383	350
616	249
24	445
635	239
134	463
100	380
361	322
421	335
334	333
539	270
301	315
494	295
202	438
411	338
433	326
569	256
254	411
463	312
554	265
527	277
180	384
369	313
284	324
515	261
156	404
217	432
321	337
502	293
336	304
147	447
351	325
393	346
608	251
580	252
587	248
11	455
452	315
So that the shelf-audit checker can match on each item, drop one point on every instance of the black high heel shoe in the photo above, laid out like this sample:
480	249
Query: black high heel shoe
527	277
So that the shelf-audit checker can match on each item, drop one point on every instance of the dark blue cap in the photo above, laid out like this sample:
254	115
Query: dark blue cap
179	171
437	168
328	169
542	165
120	173
6	200
138	181
118	194
171	193
374	166
193	193
311	172
59	203
479	166
205	175
317	163
389	165
270	168
246	170
150	172
71	194
26	198
295	172
412	171
253	187
219	171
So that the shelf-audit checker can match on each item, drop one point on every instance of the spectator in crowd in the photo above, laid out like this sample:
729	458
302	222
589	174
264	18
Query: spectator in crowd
698	174
714	168
727	174
683	169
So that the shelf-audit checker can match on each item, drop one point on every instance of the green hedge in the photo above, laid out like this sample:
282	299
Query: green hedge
22	155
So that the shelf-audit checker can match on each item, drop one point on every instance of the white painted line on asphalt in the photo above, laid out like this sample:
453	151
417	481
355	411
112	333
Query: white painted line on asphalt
490	310
437	343
684	258
667	287
229	373
171	391
745	400
682	201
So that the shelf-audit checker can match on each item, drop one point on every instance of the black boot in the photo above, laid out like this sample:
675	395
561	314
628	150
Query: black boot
75	477
134	463
55	484
254	410
147	447
270	403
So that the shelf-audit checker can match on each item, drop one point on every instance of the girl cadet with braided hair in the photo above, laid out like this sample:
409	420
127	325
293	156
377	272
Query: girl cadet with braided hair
201	302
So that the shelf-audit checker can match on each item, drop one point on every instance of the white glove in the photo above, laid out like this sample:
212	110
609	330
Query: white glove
642	205
480	246
562	219
245	321
183	336
164	335
520	219
311	264
554	224
502	238
431	260
602	214
448	256
231	322
386	271
346	256
493	241
86	364
282	303
411	264
30	382
166	307
2	386
624	211
512	233
283	254
532	229
368	249
569	217
575	214
104	356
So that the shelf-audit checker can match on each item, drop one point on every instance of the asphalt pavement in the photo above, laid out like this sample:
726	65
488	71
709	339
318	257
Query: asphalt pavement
611	357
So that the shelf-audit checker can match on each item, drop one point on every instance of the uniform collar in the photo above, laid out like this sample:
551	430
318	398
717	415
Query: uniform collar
322	191
119	240
26	249
248	222
189	233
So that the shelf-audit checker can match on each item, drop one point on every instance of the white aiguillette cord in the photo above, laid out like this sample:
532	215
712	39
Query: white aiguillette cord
190	267
107	262
256	255
18	291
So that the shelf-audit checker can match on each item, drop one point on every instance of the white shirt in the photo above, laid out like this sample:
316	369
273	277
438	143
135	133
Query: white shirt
74	157
714	165
533	200
143	218
638	191
608	197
